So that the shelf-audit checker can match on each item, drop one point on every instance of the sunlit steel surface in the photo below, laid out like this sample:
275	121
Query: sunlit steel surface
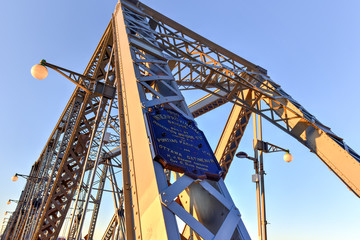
102	139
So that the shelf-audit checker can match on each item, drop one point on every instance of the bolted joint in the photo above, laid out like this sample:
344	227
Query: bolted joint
165	200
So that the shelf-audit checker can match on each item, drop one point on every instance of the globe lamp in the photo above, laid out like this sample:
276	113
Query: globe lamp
39	71
14	178
288	157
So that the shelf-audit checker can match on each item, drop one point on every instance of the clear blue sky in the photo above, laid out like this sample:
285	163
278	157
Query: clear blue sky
310	48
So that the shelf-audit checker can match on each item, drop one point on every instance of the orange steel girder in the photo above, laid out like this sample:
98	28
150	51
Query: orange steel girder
196	63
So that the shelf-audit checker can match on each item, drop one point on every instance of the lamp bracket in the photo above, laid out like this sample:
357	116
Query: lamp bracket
86	83
267	147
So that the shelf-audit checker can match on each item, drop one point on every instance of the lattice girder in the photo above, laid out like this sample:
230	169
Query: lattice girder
149	58
73	157
157	88
201	64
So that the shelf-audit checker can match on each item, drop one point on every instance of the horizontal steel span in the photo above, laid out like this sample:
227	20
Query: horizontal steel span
198	63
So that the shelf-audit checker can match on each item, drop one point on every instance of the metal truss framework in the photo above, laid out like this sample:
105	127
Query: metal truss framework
198	63
148	58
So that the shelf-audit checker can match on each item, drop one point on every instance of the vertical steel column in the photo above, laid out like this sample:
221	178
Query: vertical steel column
118	200
257	179
259	171
103	101
262	181
149	221
97	204
129	218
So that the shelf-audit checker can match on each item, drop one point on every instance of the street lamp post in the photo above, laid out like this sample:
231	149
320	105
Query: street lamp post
31	178
261	147
4	223
89	85
258	178
11	200
7	212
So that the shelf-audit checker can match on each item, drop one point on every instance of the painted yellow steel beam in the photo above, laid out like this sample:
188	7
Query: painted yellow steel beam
207	103
325	144
146	205
233	132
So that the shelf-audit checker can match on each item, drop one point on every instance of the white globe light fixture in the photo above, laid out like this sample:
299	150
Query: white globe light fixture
288	157
39	71
14	178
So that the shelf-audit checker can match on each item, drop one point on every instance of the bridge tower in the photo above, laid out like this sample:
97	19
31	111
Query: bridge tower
127	127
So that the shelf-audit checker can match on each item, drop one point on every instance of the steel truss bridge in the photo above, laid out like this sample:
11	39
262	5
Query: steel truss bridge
105	137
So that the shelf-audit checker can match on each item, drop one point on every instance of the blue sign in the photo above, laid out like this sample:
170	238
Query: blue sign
180	146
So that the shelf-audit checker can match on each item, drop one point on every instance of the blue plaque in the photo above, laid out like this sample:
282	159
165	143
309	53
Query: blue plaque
180	146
